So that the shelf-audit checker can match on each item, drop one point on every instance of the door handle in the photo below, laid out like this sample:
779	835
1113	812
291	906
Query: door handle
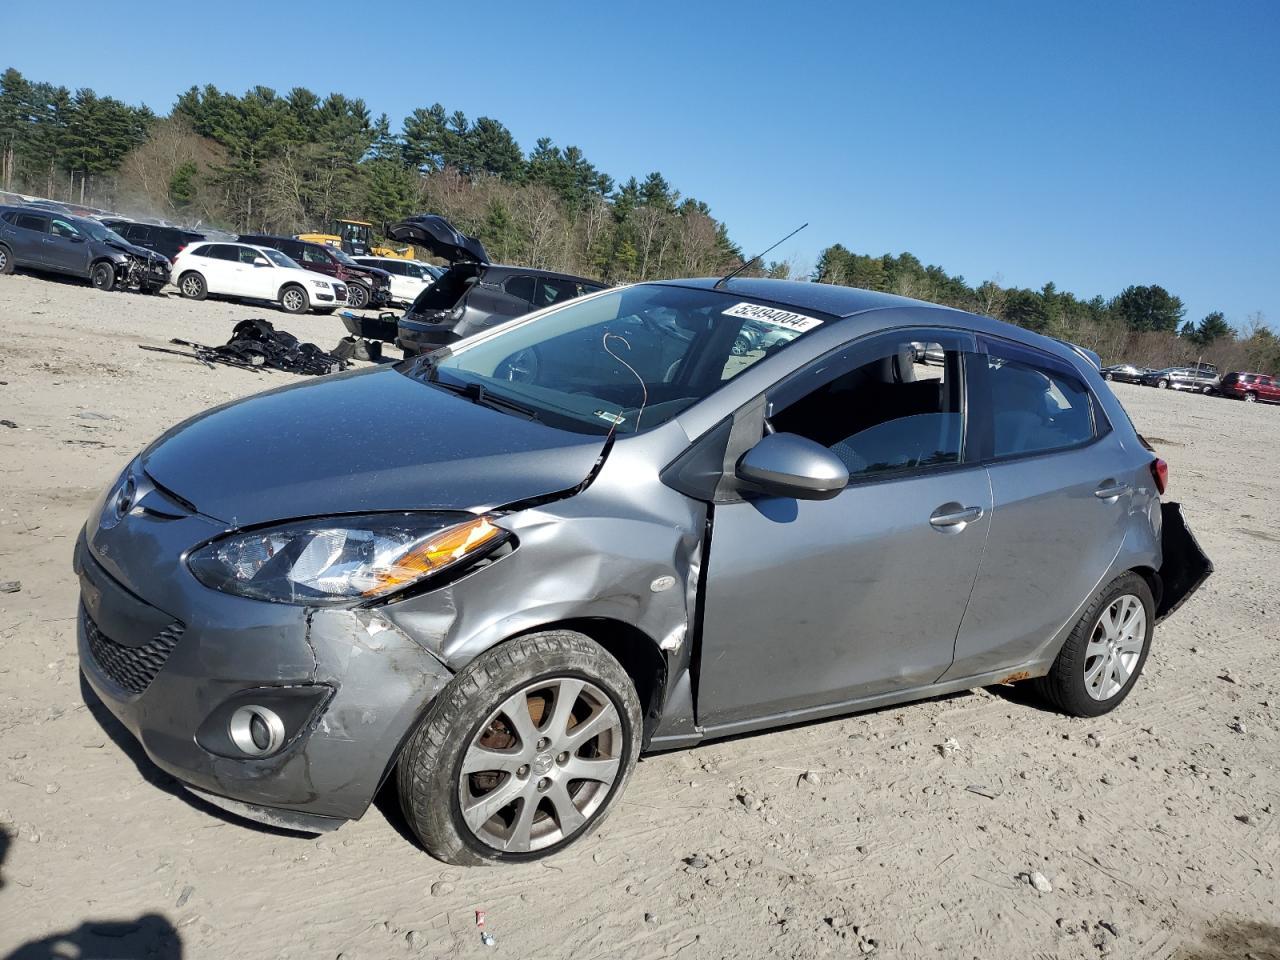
1110	490
953	515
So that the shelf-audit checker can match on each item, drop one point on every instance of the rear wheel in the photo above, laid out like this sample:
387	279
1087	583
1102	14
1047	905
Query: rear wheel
192	286
1108	376
103	275
1162	383
1104	655
293	299
6	260
357	295
1250	398
523	753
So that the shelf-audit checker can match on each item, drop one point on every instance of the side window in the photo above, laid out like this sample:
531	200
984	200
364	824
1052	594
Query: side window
200	251
248	255
314	255
520	287
31	221
61	228
222	251
552	290
1035	408
891	406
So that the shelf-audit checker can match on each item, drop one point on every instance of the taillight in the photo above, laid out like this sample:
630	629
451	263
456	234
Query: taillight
1160	474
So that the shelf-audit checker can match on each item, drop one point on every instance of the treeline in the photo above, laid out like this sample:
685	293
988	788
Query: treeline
266	162
1146	325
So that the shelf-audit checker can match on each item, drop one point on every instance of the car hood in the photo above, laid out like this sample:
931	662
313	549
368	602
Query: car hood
358	442
436	234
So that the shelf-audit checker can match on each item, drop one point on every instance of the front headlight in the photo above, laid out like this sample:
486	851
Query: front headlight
321	284
318	562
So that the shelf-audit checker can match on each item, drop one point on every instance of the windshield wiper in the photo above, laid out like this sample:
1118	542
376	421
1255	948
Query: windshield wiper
476	393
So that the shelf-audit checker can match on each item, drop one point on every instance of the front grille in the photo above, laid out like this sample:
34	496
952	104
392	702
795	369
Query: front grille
133	668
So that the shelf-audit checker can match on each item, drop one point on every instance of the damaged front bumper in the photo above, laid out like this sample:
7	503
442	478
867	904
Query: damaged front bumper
346	686
1184	566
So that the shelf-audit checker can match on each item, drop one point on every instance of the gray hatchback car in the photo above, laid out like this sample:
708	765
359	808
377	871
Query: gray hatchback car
500	572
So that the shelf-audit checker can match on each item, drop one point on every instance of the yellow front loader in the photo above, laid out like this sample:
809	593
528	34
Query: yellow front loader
356	238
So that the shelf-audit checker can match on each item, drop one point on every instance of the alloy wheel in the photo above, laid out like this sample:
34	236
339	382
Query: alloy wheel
541	765
1162	384
292	300
1115	647
357	295
191	286
4	260
1250	398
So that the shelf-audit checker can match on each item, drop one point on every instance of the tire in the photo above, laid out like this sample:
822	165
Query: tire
1162	384
1077	683
357	295
293	299
1108	377
103	275
534	670
6	260
192	286
1250	397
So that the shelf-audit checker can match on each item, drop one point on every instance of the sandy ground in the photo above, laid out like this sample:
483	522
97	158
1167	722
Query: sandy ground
1157	827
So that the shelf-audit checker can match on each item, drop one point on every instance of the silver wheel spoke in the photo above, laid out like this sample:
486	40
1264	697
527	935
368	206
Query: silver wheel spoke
478	813
519	840
567	813
1096	648
566	696
481	760
1093	675
1119	671
600	770
603	719
516	709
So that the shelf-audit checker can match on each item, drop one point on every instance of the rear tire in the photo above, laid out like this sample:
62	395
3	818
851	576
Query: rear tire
357	295
1162	384
192	286
540	807
103	275
1105	653
6	260
1108	376
1250	398
293	299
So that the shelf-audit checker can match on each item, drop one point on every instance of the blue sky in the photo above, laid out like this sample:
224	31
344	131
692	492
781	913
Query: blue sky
1094	145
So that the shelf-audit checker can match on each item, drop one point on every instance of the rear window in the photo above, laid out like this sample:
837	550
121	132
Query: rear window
31	222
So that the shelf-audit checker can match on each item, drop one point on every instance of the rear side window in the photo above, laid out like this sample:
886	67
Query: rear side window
34	222
520	287
1035	408
201	251
552	290
893	407
221	251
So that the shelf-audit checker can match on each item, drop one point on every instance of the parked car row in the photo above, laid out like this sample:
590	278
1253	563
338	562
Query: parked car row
1200	378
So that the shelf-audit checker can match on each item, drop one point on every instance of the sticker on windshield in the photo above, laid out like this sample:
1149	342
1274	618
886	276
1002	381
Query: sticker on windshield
613	418
779	318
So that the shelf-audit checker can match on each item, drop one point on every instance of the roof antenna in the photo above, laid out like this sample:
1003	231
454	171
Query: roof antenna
730	276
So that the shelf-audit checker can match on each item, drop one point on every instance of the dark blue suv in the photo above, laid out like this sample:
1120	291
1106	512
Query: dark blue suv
61	243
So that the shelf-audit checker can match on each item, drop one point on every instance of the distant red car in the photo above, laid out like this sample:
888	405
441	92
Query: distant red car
1250	387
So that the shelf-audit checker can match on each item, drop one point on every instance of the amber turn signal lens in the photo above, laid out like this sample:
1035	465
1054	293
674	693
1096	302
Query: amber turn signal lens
438	551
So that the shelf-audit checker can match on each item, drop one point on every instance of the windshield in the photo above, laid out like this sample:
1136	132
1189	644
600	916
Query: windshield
278	258
627	360
100	233
342	257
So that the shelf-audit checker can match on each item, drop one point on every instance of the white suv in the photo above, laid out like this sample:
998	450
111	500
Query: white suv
408	277
254	273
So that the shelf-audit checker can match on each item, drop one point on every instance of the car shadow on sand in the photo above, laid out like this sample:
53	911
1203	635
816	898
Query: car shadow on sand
157	778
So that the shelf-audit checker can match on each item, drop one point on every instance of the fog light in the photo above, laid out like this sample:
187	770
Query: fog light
256	730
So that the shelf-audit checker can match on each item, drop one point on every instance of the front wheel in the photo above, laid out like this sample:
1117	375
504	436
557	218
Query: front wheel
1104	655
1108	376
357	295
523	753
293	299
1250	398
1162	384
6	260
103	275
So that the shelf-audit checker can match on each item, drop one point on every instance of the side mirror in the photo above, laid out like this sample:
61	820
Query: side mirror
76	238
261	262
789	465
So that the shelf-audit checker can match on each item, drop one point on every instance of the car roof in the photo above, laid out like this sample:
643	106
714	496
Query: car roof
536	272
828	298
